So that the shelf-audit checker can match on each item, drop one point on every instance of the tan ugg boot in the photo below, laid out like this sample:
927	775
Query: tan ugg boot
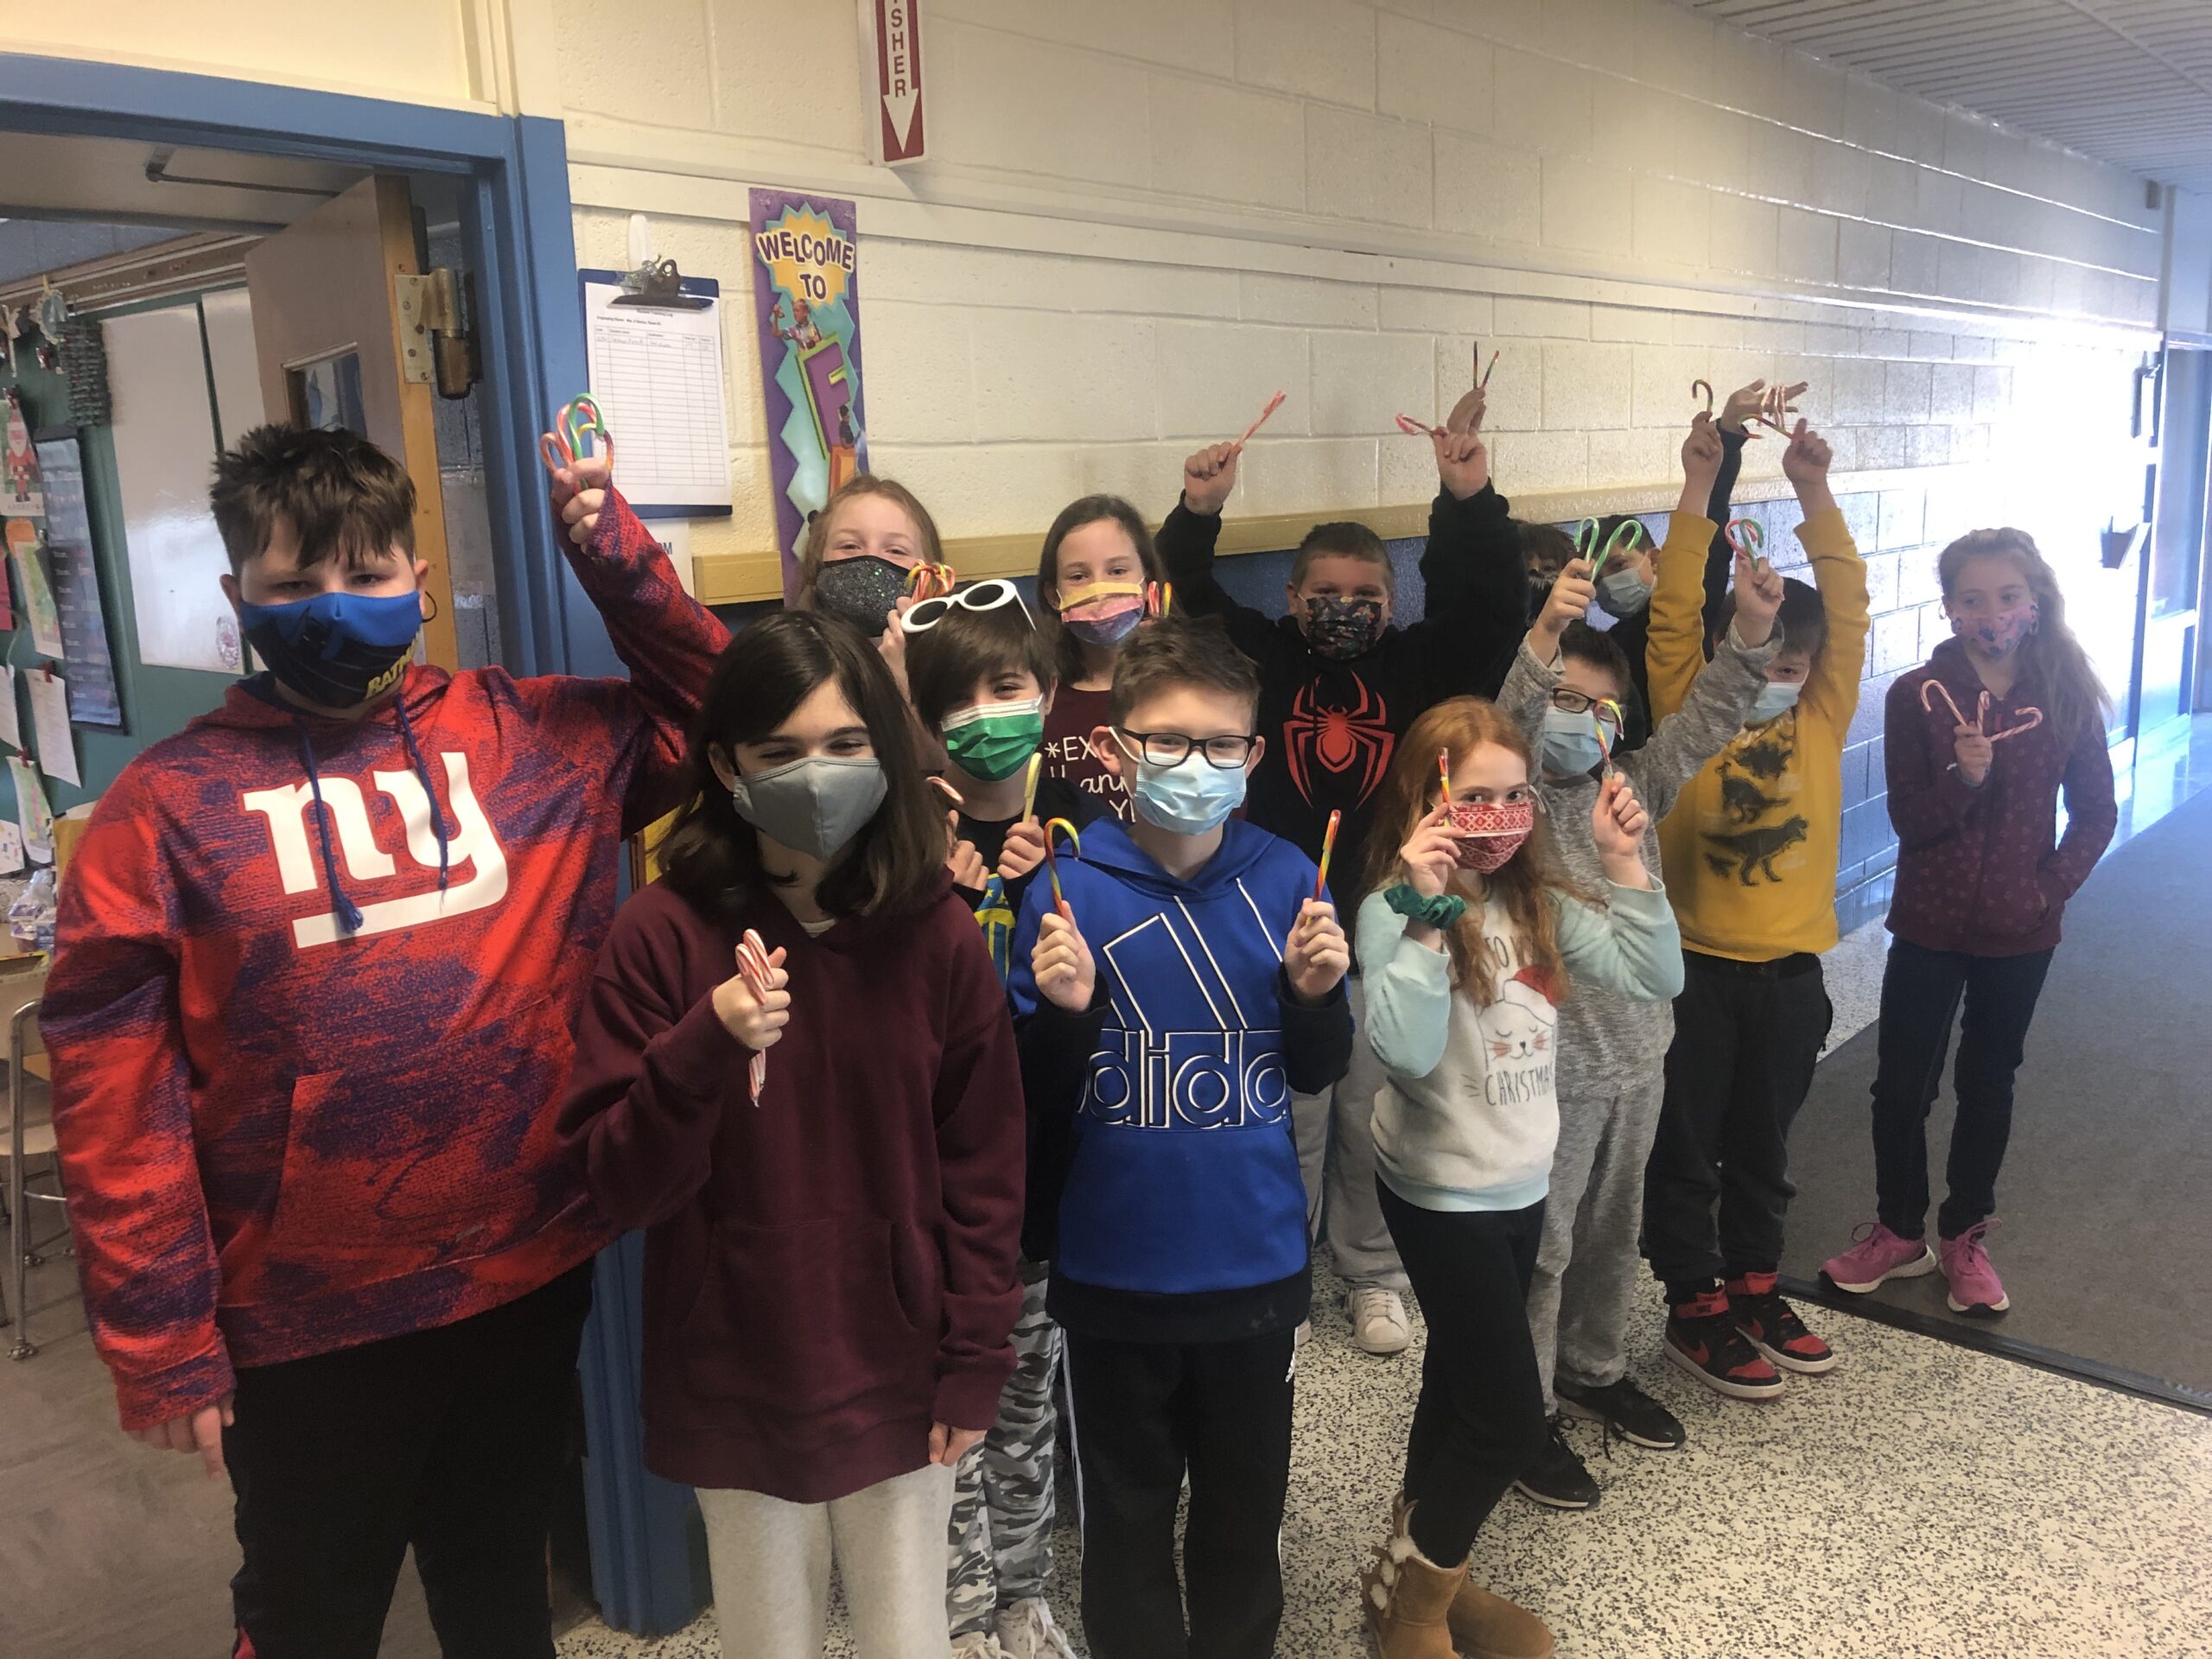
1407	1597
1485	1624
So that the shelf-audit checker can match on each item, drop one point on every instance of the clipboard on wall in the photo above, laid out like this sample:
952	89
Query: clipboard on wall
653	343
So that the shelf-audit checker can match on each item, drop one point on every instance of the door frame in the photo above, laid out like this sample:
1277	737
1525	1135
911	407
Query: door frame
519	235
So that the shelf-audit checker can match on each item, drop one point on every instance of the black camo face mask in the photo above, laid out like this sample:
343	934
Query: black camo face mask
1343	627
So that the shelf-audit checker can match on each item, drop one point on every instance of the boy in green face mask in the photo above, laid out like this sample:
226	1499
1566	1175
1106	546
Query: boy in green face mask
981	678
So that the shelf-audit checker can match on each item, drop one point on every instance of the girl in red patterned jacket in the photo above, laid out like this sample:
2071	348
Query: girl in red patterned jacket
318	956
1979	742
827	1155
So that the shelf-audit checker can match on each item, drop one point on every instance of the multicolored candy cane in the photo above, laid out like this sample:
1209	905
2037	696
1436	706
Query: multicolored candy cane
1444	773
1705	386
579	420
1483	379
928	581
1274	404
1158	598
1747	538
753	964
1051	865
1413	428
1328	846
1029	787
1626	535
1609	732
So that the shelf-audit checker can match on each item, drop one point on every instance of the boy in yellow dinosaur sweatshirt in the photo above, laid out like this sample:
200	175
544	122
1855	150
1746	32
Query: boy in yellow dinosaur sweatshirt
1750	859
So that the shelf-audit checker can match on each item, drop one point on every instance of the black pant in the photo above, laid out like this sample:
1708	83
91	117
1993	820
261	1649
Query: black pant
450	1439
1746	1038
1480	1418
1922	991
1142	1414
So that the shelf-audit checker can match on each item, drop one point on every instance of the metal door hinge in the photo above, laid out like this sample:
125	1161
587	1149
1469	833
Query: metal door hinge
436	346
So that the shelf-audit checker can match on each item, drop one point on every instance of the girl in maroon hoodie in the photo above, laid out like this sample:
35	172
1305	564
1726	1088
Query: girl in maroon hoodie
1979	741
829	1269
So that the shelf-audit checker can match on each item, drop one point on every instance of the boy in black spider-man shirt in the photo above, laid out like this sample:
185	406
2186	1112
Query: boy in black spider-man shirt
1338	686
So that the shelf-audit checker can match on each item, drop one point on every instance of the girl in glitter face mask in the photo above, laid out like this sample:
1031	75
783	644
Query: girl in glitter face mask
1467	938
862	551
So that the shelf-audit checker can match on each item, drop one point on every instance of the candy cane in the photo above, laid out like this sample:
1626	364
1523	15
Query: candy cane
1328	846
1051	865
1029	788
1274	404
753	964
1484	382
1413	428
928	581
1705	386
1746	539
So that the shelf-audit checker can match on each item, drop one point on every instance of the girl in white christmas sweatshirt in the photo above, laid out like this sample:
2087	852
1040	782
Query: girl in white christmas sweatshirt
1469	937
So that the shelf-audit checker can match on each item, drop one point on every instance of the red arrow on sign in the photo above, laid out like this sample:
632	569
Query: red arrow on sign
898	79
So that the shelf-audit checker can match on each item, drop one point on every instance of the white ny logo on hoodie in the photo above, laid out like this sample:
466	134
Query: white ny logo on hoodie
297	867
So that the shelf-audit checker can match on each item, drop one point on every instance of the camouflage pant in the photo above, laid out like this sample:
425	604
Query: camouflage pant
1001	1534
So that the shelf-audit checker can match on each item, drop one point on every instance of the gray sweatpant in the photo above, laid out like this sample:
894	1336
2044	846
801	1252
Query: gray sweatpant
1336	1155
771	1562
1587	1266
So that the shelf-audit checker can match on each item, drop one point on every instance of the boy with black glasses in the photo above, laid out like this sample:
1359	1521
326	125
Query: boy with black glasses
1172	990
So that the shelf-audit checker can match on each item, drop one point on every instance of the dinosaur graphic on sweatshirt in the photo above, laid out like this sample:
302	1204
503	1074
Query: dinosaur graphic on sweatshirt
1749	849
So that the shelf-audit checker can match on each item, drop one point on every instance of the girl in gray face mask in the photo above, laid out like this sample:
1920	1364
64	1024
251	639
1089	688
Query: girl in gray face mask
831	1283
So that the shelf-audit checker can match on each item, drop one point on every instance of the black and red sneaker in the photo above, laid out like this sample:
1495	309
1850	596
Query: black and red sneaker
1702	1338
1772	1326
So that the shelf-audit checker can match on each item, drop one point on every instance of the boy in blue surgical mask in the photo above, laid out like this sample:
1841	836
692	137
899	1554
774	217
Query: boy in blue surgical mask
1569	689
1171	988
1339	683
1750	856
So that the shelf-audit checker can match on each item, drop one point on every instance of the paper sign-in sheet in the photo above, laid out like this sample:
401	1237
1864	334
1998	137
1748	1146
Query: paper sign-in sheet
656	373
57	754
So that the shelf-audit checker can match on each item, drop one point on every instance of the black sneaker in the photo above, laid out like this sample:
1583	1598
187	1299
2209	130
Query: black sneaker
1625	1410
1557	1477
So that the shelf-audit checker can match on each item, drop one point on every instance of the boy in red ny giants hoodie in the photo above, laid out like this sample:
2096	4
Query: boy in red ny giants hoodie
317	960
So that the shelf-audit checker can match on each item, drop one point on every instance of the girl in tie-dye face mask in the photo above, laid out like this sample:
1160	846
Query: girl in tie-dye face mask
1097	562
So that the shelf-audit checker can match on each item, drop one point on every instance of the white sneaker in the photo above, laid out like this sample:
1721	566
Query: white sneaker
977	1644
1378	1320
1303	1335
1026	1631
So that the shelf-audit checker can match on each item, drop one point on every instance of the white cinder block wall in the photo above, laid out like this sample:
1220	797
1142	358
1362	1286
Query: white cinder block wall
1143	216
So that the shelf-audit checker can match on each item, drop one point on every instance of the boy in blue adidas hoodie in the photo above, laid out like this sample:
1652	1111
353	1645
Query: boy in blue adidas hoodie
1183	987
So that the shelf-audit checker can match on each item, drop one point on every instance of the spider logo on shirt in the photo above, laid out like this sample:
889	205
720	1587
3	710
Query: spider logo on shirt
1342	740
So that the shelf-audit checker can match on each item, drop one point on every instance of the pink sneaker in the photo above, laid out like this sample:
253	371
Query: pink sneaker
1975	1287
1876	1255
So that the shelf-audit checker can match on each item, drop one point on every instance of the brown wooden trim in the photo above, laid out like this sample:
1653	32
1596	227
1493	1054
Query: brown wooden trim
740	578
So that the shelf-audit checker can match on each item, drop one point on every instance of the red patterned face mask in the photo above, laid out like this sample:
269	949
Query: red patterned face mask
1490	832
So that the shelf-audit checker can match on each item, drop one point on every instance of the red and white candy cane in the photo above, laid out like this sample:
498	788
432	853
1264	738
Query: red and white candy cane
1274	404
1413	428
2030	716
753	964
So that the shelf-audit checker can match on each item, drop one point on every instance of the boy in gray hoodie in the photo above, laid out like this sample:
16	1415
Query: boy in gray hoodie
1569	689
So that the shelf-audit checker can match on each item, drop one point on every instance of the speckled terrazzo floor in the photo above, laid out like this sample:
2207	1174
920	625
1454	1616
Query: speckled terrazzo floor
1923	1502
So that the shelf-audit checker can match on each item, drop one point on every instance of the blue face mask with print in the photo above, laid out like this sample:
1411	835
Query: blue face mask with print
337	651
1188	799
1775	697
1570	744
